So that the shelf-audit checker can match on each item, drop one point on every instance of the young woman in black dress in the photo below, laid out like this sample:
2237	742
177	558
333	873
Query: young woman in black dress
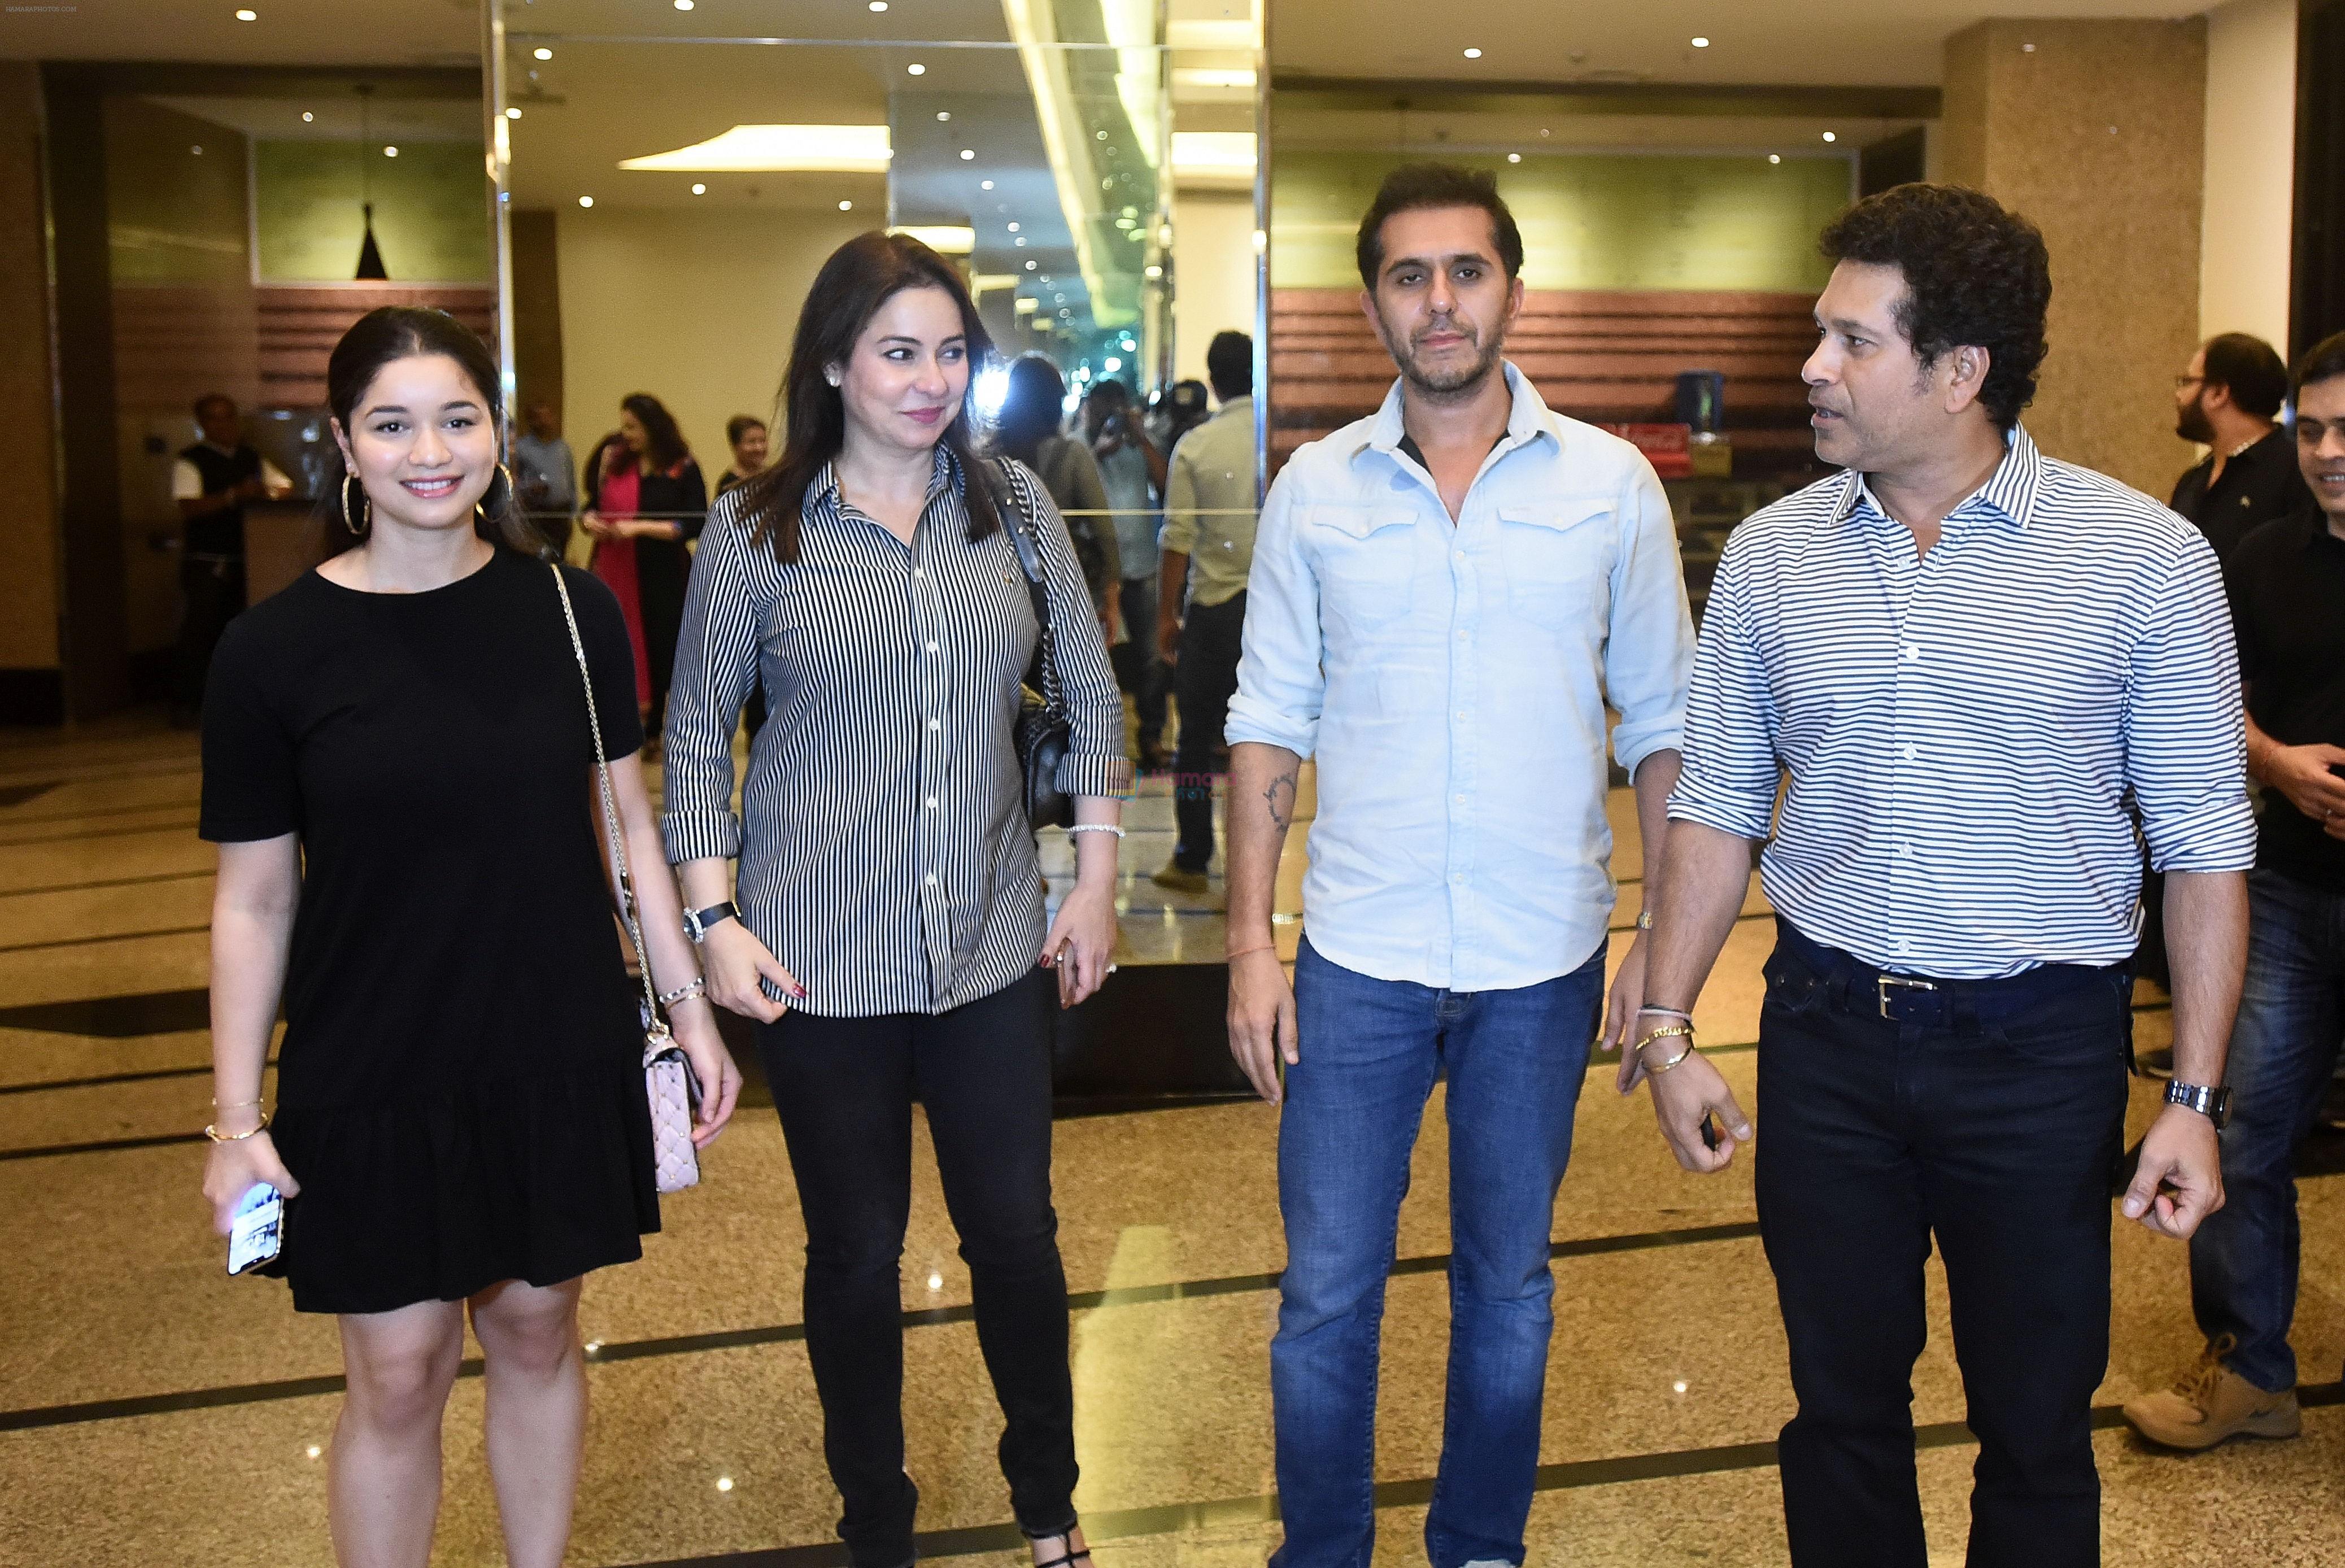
399	772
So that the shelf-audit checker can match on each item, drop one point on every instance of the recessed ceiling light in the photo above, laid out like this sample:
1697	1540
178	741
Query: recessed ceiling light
683	4
1153	272
1831	135
543	54
967	154
196	151
512	114
307	117
699	189
943	115
585	202
1774	157
1545	132
1514	157
847	207
878	5
985	185
1701	43
247	15
1013	228
1020	240
915	69
1473	54
390	152
1030	265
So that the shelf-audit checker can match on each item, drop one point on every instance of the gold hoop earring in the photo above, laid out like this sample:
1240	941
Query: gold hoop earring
357	530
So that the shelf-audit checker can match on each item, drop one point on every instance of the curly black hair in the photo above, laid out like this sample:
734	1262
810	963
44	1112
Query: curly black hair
1977	276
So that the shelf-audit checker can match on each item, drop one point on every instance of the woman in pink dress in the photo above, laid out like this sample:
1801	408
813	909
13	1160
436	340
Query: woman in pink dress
645	499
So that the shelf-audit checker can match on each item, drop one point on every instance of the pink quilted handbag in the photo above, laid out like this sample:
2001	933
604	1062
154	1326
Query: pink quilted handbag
667	1077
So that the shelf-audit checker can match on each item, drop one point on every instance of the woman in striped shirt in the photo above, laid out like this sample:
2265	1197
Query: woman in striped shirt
889	940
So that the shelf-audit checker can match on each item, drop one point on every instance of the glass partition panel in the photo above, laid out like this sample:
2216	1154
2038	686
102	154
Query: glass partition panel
673	182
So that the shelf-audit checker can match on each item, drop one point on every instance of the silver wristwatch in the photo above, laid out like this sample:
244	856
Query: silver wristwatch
2215	1105
697	921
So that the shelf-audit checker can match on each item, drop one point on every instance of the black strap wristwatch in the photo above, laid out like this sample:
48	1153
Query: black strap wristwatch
2215	1105
697	921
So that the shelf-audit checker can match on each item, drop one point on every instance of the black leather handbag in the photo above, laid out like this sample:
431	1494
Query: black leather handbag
1043	723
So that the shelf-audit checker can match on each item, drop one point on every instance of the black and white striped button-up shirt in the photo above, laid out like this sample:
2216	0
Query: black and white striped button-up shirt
1970	734
885	853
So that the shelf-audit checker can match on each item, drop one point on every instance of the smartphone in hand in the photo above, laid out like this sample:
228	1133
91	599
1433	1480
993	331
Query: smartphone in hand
257	1231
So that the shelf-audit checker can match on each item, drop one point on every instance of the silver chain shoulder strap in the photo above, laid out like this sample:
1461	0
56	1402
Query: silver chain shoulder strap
653	1025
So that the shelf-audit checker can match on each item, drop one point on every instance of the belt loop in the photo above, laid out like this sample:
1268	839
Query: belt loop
1962	1011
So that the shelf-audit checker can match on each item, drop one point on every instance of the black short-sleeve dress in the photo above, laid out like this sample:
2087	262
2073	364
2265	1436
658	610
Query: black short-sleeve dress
460	1090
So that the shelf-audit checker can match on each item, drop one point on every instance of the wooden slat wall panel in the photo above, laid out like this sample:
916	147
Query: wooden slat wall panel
1604	356
300	325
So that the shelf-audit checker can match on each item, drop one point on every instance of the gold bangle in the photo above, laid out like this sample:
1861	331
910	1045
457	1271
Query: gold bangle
1656	1070
233	1105
211	1131
1265	947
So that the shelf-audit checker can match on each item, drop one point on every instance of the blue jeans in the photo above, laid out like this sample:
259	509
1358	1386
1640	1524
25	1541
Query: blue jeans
2284	1047
1371	1050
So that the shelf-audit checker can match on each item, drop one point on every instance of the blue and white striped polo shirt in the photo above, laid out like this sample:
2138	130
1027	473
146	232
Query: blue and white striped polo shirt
1969	735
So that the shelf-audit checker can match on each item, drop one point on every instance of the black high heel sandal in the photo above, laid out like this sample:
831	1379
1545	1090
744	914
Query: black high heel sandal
1082	1554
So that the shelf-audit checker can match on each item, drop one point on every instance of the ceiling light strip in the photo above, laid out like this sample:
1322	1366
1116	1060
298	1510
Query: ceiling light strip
1071	160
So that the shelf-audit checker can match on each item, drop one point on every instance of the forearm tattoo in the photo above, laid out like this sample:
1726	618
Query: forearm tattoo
1280	799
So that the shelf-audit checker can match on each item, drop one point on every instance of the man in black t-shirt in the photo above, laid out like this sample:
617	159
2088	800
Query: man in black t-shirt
211	481
2228	400
2287	586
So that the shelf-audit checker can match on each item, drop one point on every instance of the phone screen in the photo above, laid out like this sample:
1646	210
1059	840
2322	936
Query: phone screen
257	1231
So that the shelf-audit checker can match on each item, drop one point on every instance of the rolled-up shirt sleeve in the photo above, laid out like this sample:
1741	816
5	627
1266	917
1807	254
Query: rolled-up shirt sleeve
1730	769
1095	761
2185	730
1181	506
1282	683
732	590
1649	648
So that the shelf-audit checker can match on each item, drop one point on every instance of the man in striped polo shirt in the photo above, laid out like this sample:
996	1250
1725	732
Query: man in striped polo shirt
1980	668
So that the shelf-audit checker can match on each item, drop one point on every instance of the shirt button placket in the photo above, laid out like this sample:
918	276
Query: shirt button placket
936	903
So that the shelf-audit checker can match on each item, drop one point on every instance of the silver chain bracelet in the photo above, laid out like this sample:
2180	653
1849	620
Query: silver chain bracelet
1096	828
698	986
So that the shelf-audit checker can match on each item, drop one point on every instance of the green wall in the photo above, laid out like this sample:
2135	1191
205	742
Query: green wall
430	211
174	214
1590	220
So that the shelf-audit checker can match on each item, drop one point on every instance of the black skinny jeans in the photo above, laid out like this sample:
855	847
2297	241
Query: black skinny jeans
1992	1121
845	1089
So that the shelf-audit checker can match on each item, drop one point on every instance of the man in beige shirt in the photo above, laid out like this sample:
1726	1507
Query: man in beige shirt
1210	499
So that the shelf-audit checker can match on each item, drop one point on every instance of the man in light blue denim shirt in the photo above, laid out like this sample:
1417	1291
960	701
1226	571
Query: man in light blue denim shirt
1445	599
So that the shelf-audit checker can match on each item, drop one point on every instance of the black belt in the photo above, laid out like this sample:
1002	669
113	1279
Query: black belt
1856	986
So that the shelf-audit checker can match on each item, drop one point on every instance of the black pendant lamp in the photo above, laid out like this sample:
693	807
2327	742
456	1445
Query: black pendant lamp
370	267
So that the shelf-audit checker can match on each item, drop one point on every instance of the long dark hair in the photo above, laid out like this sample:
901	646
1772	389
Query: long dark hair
401	333
667	448
861	275
1035	404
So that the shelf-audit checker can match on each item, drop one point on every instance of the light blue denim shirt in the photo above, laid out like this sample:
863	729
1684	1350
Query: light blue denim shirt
1452	681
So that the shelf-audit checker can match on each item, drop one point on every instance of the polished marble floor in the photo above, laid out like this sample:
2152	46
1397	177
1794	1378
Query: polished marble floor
153	1410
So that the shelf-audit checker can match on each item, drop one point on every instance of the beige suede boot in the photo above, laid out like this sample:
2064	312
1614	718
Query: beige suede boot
2210	1403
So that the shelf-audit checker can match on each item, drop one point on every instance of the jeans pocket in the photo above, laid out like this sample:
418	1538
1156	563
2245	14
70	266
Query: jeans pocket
1792	986
2065	1043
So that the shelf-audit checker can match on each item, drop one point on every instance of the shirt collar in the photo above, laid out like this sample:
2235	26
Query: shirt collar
2008	496
1527	416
